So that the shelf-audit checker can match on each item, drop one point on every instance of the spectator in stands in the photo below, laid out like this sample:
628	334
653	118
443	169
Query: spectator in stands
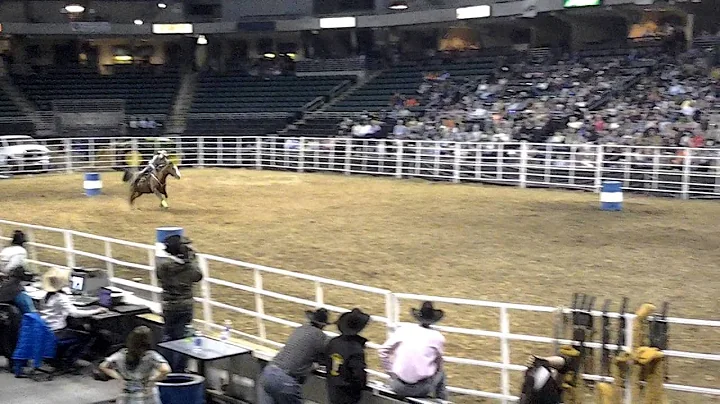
56	307
412	356
282	378
138	367
345	359
177	275
12	273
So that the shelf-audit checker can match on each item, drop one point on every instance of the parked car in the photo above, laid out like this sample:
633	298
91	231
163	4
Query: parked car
23	153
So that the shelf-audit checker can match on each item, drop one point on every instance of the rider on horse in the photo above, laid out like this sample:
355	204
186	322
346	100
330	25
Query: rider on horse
159	160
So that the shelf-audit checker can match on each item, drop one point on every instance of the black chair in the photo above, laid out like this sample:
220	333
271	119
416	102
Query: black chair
10	319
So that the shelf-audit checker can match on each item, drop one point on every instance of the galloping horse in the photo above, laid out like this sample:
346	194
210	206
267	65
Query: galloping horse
153	183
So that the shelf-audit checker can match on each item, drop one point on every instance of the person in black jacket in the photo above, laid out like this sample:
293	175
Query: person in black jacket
177	275
346	377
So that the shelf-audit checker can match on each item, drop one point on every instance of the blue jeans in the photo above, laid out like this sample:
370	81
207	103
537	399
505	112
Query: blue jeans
24	303
433	385
276	387
175	322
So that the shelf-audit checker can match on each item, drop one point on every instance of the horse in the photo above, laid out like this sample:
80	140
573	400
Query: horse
154	182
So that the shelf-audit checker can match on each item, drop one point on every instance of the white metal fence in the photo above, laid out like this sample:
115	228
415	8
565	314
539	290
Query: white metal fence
394	302
683	172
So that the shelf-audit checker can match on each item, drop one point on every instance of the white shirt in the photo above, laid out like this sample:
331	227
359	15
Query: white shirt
412	353
58	307
12	257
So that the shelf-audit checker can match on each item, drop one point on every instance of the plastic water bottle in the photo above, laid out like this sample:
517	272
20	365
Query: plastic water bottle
225	335
197	342
189	332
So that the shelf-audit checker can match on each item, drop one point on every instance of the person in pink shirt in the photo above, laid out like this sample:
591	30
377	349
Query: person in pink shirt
413	356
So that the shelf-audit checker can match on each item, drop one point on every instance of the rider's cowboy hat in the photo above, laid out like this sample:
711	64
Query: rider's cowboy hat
319	317
352	322
427	314
55	279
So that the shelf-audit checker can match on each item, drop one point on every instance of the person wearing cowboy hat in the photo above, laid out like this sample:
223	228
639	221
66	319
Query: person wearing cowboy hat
281	380
413	356
177	275
345	359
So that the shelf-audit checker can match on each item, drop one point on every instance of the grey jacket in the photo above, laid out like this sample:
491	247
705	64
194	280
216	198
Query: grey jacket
177	280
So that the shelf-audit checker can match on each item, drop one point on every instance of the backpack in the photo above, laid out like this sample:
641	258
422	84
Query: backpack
540	387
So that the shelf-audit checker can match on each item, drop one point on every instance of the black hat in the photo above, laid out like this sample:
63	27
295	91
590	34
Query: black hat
18	238
427	314
352	322
319	316
173	245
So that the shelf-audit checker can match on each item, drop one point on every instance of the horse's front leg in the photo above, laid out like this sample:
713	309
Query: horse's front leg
163	199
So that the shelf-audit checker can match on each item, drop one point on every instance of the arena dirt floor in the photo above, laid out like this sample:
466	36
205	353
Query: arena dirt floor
466	241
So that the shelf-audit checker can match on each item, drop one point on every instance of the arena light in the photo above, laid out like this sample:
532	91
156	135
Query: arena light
464	13
399	5
138	22
162	5
202	40
172	29
338	22
269	55
74	8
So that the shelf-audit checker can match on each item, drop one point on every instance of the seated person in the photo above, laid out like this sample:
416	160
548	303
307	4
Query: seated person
56	305
12	274
412	356
138	367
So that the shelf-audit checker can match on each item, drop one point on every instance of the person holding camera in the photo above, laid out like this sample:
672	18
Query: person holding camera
177	275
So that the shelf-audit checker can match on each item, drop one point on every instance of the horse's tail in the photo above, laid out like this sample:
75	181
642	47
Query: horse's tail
128	174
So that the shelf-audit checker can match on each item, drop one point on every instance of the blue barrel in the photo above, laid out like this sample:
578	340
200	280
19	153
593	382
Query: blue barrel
179	388
611	196
161	233
92	184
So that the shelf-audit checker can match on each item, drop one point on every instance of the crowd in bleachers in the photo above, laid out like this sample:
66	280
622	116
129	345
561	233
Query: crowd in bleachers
622	99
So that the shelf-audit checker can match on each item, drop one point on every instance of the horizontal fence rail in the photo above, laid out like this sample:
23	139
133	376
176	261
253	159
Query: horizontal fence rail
667	171
144	260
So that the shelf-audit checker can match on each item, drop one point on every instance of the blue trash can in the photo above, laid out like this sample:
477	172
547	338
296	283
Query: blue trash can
180	388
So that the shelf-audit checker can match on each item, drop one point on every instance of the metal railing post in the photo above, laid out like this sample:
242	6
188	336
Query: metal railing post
201	152
152	263
68	155
32	251
456	162
319	295
523	164
686	174
301	155
504	352
348	156
205	290
69	249
390	304
259	307
599	162
109	267
399	158
258	153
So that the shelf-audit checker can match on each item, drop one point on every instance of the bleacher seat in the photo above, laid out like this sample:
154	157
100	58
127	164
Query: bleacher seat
240	93
405	78
145	91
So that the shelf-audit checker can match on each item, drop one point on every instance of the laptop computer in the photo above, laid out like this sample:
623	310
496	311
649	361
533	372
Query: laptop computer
77	288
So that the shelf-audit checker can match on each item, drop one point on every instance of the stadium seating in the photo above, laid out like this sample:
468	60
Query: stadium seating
144	91
235	126
8	107
240	93
405	78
